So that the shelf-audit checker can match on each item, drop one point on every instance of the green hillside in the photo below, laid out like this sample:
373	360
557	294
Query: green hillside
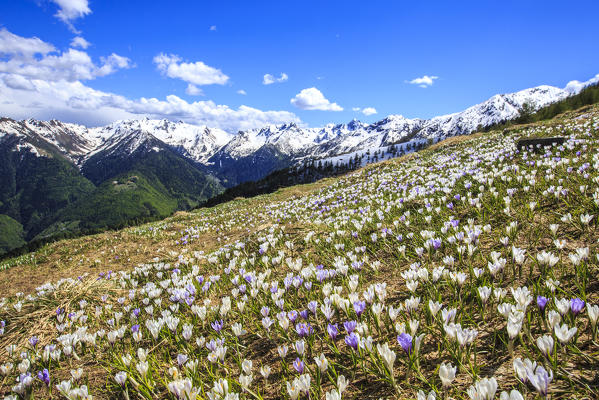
12	235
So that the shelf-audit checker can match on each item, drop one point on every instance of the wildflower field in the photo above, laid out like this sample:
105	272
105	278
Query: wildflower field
469	270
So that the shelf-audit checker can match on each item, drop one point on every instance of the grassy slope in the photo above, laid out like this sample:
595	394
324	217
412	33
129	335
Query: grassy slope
11	233
275	215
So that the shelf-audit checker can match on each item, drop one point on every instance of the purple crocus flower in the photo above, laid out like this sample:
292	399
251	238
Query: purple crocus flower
405	341
298	365
313	306
303	329
136	312
359	307
352	340
33	341
135	328
217	325
542	302
350	326
44	376
333	331
576	305
304	314
292	315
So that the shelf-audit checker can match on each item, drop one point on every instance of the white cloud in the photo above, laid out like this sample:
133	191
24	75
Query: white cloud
32	58
270	79
36	84
424	81
70	10
80	42
193	90
242	92
369	111
76	102
196	73
14	45
71	65
17	82
313	99
576	86
366	111
213	28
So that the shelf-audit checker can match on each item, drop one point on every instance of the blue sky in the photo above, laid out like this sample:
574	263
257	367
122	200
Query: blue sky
330	61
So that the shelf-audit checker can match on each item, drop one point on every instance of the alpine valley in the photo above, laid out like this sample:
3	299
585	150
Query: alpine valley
60	179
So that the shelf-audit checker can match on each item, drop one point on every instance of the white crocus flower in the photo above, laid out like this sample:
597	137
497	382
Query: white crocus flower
523	368
322	363
447	374
564	333
545	344
387	355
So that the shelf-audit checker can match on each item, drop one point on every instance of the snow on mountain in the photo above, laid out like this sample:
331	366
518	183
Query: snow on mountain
196	142
498	108
332	140
71	140
289	142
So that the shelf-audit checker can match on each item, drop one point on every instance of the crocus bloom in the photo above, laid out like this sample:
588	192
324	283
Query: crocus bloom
292	315
298	365
352	340
542	302
333	331
447	374
540	380
359	307
217	325
564	333
44	376
350	326
405	341
576	305
121	378
303	329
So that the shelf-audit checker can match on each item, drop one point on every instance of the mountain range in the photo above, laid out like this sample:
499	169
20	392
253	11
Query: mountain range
60	178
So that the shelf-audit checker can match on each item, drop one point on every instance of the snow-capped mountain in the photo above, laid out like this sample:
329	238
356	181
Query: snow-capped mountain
71	140
196	142
252	154
332	140
498	108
